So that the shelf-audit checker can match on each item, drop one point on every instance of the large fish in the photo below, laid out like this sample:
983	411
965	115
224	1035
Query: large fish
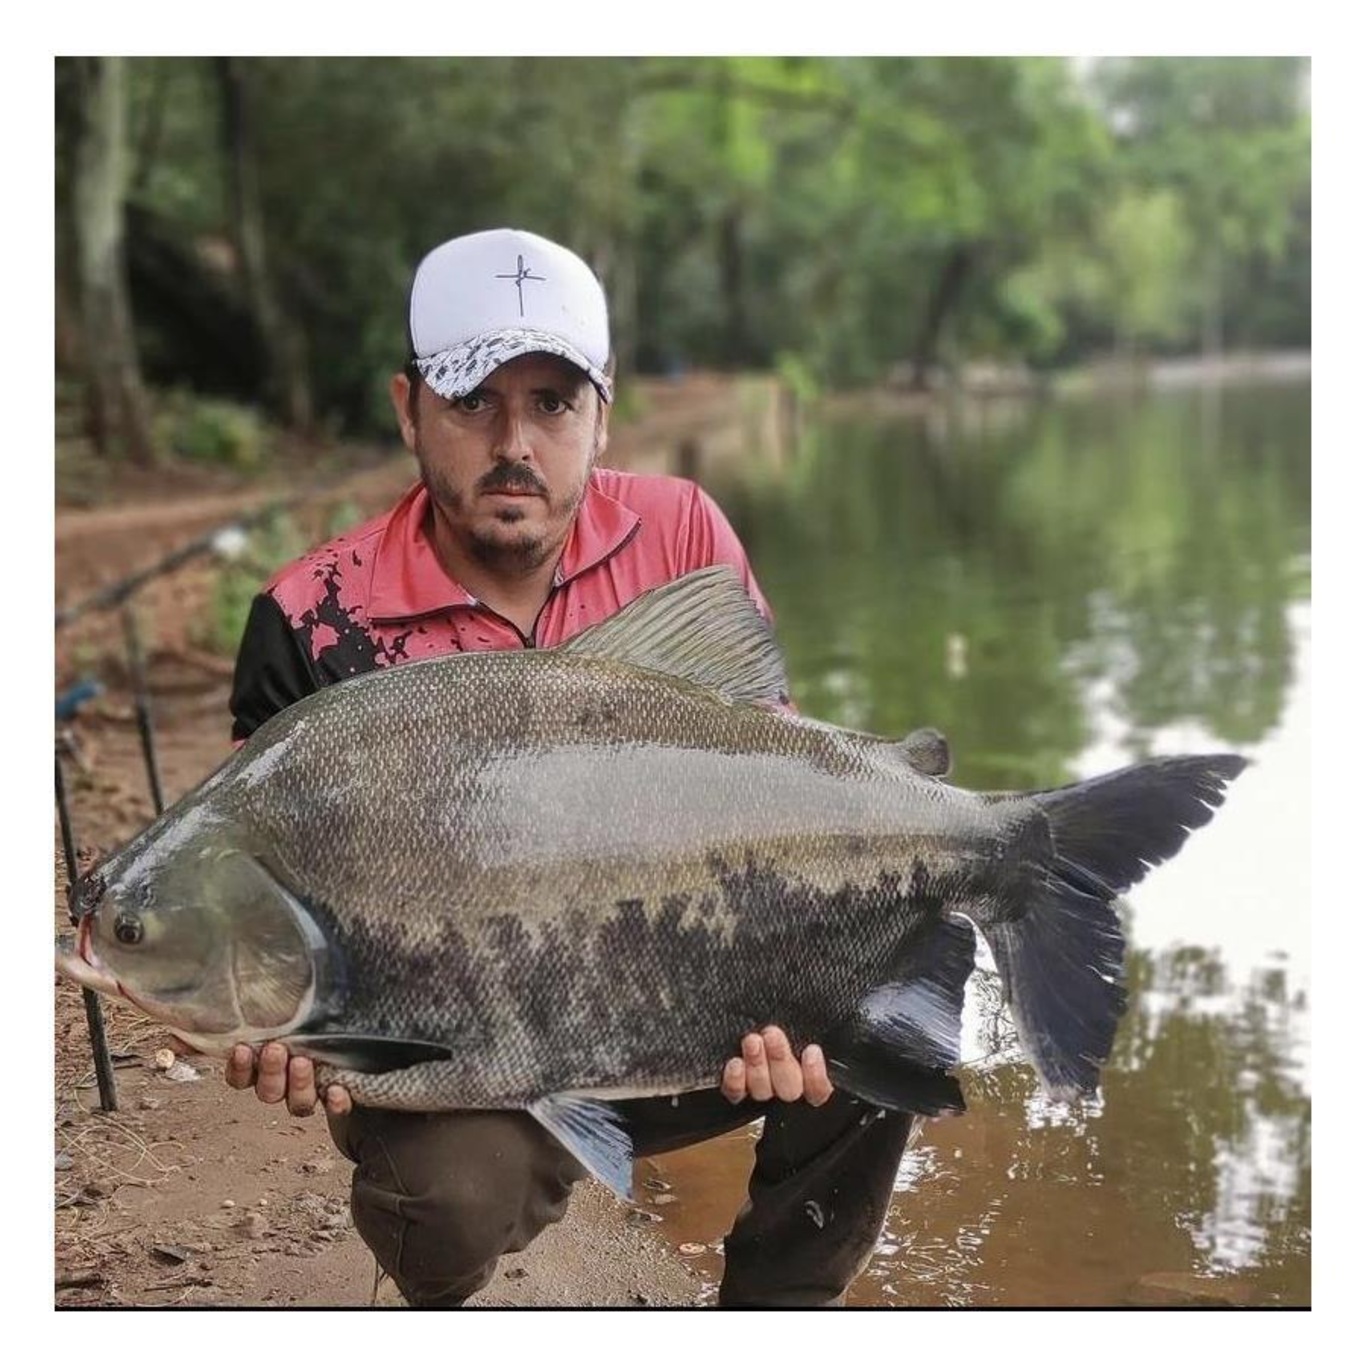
543	880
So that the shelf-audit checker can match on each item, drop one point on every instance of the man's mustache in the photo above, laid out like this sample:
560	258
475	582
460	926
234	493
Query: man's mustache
510	479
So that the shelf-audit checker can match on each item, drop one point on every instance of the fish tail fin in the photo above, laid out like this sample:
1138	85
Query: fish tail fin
1061	957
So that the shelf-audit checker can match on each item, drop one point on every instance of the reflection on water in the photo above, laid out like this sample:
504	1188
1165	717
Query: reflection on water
1186	1177
1064	589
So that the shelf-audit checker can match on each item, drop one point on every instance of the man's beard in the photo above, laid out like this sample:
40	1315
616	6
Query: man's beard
519	554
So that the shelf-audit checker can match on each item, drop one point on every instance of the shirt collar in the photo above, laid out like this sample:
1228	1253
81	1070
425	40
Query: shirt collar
604	524
409	581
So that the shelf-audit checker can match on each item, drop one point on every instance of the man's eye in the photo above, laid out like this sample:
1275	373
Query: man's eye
553	403
470	403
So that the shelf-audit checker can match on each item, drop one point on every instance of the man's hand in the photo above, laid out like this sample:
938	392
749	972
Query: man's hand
279	1077
768	1068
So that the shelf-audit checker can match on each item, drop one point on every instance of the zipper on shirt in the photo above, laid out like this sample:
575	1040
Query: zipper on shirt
528	642
556	583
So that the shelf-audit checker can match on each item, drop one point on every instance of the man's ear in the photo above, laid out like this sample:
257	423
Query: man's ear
400	395
600	436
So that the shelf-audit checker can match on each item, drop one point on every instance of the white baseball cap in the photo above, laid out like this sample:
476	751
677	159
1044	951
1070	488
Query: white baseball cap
480	300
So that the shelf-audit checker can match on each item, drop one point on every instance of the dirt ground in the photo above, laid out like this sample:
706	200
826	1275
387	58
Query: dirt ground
190	1193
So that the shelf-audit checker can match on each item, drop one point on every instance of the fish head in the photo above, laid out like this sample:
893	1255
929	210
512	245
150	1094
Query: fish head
201	936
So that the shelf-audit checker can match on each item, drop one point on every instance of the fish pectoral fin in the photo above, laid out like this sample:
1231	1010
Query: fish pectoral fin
365	1052
591	1130
703	626
898	1046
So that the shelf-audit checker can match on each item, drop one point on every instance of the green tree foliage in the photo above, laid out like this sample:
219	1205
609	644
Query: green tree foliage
1132	272
859	217
1230	136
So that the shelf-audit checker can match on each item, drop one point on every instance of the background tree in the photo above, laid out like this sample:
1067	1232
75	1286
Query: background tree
850	219
287	386
92	126
1231	136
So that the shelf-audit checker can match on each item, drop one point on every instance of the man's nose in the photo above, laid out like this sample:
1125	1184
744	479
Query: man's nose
512	437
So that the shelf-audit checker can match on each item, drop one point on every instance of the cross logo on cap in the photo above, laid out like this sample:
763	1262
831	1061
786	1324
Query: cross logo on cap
522	274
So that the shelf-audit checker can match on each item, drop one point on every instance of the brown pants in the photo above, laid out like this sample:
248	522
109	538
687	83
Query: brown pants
439	1198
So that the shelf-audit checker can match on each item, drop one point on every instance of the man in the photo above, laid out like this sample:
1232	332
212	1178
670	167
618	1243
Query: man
514	538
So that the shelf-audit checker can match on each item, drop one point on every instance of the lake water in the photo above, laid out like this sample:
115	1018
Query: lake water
1062	589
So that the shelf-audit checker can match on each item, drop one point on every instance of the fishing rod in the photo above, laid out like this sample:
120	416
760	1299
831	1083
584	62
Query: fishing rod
142	703
226	539
94	1012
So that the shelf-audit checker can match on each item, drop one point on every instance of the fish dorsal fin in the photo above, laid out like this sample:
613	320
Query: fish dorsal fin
703	627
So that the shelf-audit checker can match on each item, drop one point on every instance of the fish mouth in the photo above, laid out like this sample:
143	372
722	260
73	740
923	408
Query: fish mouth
77	961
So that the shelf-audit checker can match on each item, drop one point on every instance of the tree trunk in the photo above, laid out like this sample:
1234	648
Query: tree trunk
115	403
736	344
948	290
615	266
147	143
288	391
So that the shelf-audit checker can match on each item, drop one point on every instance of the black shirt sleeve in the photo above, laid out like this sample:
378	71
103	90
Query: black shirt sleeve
272	671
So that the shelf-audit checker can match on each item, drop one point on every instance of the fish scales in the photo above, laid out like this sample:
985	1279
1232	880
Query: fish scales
557	884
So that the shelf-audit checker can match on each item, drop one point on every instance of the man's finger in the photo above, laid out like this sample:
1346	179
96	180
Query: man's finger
301	1096
758	1083
785	1072
815	1080
733	1081
241	1069
337	1100
271	1077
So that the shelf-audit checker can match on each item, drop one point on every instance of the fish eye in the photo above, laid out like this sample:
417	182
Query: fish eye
127	928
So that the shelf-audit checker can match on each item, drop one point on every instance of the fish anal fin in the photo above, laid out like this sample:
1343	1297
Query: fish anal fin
592	1131
891	1082
366	1053
898	1046
703	627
